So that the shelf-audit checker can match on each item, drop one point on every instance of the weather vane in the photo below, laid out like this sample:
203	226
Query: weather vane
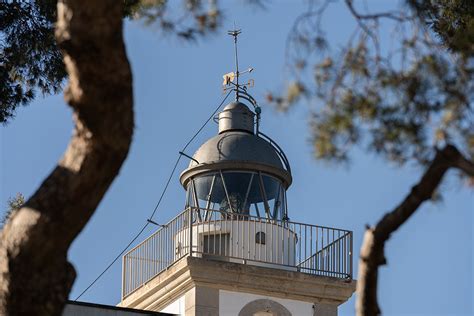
229	83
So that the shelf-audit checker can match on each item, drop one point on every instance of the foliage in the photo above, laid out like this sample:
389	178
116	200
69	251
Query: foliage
452	20
31	62
13	204
189	21
29	58
399	99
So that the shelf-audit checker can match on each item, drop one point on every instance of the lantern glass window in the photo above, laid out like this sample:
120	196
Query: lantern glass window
238	192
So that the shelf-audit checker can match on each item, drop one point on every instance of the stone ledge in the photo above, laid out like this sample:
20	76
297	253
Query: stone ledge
188	272
270	281
162	290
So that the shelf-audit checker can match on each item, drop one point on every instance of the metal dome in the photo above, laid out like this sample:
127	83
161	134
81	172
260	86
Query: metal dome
236	147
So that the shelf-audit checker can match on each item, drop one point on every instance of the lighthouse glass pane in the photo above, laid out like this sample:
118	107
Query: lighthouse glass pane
272	187
273	193
209	191
240	192
188	196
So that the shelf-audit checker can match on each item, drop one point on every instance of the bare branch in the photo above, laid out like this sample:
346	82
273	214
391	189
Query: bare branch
372	250
374	16
313	16
465	165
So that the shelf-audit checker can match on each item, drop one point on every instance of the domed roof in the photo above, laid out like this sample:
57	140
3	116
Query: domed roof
237	146
237	150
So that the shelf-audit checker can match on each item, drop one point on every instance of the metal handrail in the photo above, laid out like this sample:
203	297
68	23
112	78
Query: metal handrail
325	248
226	236
151	236
265	219
278	149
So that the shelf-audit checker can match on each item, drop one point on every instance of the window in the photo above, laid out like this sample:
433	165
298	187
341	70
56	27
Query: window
216	244
260	238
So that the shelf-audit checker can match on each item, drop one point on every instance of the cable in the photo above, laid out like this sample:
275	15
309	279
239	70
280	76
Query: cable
207	121
159	200
113	261
184	148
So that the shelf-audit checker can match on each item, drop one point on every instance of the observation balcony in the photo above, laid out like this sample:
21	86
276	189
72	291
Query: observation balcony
239	238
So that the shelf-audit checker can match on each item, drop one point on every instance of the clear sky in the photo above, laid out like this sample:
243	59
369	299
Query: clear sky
176	87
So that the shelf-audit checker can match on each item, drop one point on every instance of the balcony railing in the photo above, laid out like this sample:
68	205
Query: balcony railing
242	239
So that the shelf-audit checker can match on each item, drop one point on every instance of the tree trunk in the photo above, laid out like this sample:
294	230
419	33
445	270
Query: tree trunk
35	276
372	250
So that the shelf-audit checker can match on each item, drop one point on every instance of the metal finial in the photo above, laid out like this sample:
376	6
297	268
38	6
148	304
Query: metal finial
240	89
235	33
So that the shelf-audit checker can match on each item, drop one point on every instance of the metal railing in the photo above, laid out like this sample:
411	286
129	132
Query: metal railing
243	239
154	255
331	260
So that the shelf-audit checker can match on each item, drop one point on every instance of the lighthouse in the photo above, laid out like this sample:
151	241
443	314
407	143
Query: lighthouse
233	249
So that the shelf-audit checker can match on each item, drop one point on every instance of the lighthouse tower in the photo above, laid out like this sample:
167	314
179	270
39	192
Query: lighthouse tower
233	249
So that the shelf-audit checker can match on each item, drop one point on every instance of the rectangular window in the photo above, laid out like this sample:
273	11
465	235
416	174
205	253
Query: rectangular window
216	244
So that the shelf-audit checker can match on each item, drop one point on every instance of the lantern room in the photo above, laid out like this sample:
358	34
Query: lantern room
239	171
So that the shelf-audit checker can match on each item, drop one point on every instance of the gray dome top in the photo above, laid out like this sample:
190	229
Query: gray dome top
236	147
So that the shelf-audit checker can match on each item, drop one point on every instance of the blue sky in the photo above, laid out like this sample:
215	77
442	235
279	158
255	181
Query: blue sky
176	87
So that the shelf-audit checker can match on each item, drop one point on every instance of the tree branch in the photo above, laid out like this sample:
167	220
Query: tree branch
35	277
374	16
465	165
372	250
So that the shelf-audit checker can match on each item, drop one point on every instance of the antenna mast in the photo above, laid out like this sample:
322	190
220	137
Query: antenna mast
235	33
240	89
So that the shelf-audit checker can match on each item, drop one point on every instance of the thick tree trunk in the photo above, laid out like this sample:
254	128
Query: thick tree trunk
372	250
35	276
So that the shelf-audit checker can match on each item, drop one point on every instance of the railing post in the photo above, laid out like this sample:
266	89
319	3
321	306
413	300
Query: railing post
123	277
351	256
190	225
